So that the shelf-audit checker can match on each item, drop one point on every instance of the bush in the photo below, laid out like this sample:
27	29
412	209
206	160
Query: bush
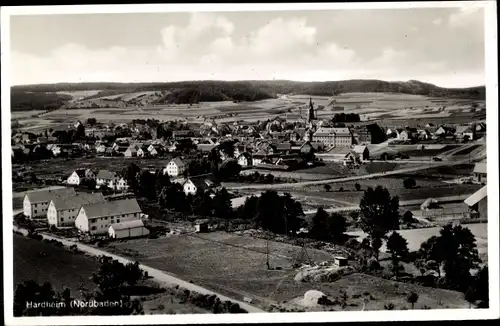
373	264
352	243
409	183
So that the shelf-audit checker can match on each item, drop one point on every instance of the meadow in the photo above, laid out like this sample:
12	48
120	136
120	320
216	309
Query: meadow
402	108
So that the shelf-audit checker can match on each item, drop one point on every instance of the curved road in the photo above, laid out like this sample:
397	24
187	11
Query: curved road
353	178
158	275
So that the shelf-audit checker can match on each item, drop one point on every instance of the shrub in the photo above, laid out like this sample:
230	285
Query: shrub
373	264
389	306
352	244
409	183
357	186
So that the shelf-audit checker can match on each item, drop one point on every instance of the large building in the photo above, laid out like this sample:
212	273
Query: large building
337	137
63	211
36	203
129	229
95	219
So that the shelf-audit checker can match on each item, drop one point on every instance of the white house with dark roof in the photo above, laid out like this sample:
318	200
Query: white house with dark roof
128	229
108	178
95	219
36	203
362	151
80	175
175	167
62	211
199	183
245	159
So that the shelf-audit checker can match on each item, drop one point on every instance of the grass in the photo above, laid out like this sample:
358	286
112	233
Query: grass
230	264
468	150
60	267
377	292
65	269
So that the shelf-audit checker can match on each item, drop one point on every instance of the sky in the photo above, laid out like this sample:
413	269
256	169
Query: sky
443	46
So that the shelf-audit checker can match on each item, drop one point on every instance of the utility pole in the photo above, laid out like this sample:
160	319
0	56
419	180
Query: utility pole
267	253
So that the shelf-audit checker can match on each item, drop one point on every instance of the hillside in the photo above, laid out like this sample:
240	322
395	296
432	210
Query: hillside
39	96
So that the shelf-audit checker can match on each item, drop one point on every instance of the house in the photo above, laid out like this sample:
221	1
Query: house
95	219
56	150
480	171
141	152
423	134
62	211
462	132
478	203
306	148
193	185
444	131
362	151
108	178
245	160
338	137
352	158
80	175
128	229
175	167
122	184
36	203
130	152
340	261
201	226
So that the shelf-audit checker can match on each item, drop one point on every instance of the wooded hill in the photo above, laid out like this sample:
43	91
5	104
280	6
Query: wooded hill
210	91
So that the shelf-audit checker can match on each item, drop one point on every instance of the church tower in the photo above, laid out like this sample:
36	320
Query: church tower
310	115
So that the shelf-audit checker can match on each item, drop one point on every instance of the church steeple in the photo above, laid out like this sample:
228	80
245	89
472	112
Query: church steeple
310	116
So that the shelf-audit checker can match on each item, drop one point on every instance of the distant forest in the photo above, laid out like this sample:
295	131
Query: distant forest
39	97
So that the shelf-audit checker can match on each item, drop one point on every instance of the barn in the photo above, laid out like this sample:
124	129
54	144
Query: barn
128	229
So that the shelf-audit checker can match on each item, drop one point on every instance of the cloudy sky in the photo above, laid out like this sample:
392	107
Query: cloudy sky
444	46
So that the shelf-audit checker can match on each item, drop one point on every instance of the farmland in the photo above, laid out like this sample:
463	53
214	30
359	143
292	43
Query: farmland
60	267
63	268
416	236
354	197
235	265
390	107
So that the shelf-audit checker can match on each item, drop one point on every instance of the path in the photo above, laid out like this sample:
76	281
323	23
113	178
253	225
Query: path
353	178
158	275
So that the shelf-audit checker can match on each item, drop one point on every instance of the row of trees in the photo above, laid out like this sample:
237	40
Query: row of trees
343	117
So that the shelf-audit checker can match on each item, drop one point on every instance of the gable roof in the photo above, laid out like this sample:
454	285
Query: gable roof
477	196
78	200
116	207
177	161
201	182
80	172
106	175
480	167
41	196
359	149
134	224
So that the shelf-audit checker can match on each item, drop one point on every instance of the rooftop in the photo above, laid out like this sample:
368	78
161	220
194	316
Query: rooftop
78	200
41	196
127	225
116	207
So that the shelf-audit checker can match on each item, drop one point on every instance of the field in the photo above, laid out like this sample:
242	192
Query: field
415	237
60	167
382	107
235	265
60	267
354	197
65	269
376	292
229	264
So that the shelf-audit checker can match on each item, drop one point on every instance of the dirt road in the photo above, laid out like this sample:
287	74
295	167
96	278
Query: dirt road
160	276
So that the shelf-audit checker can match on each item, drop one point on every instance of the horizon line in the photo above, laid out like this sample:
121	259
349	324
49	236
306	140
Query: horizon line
243	80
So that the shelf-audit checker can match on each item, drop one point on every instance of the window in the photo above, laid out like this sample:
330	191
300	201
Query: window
118	221
93	228
62	219
35	211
